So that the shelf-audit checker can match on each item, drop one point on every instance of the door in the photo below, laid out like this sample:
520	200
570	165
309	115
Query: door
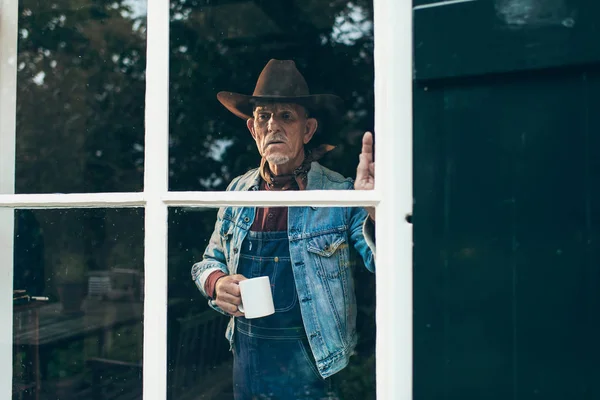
507	199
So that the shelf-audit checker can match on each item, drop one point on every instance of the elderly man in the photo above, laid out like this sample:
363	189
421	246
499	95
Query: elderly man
307	252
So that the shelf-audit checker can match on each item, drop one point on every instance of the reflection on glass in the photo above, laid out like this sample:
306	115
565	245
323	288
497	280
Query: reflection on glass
223	46
80	96
322	274
78	304
198	358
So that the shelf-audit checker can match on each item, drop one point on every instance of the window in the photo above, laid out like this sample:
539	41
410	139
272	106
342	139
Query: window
392	196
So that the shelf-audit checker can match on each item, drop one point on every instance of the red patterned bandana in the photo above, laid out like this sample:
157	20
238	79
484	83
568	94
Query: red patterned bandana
300	175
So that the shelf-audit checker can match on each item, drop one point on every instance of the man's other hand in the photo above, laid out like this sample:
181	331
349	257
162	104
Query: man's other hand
228	296
365	172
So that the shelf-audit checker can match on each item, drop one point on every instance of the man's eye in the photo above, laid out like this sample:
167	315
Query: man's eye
286	116
262	117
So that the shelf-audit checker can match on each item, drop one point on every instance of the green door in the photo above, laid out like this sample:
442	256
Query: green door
507	199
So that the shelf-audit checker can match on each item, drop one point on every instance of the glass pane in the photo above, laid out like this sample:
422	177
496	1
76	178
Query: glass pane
80	96
224	46
78	303
199	360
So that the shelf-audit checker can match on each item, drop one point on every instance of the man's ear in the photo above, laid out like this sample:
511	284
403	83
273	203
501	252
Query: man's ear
250	125
311	128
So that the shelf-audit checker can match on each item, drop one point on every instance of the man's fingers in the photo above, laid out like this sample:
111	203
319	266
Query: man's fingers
238	278
365	168
229	308
228	298
367	146
231	288
367	139
228	294
362	170
230	284
362	162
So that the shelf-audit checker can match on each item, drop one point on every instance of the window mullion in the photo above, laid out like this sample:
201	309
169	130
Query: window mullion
155	186
393	123
8	98
6	306
8	93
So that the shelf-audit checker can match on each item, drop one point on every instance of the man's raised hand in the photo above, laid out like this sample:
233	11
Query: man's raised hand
365	172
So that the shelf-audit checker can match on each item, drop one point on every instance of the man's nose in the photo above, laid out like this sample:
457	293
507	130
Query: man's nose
273	124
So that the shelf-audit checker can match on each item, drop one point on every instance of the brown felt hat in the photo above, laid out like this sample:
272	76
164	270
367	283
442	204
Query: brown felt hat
280	81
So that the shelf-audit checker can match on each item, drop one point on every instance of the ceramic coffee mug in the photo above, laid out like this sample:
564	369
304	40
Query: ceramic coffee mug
257	299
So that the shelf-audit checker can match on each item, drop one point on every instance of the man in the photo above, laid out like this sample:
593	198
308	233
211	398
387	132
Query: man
307	252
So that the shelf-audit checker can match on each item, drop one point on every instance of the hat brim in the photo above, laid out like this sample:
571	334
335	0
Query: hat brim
242	105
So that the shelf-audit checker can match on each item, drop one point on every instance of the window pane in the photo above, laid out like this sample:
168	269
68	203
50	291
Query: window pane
199	360
78	303
80	96
223	46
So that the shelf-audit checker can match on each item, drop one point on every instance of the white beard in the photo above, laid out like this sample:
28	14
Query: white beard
278	159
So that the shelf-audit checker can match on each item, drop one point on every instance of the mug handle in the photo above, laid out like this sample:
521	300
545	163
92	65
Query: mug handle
241	308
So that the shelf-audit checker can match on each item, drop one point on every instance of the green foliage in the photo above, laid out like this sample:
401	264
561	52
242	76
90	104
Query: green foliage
127	344
80	108
81	70
357	381
66	362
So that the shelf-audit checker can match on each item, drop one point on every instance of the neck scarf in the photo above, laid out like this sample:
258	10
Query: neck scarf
299	177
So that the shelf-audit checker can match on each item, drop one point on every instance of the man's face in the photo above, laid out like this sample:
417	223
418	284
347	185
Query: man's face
281	131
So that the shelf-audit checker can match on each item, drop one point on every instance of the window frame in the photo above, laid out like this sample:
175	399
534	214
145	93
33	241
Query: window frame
8	108
392	195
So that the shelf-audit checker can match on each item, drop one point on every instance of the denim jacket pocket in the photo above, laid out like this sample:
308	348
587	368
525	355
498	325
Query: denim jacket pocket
329	252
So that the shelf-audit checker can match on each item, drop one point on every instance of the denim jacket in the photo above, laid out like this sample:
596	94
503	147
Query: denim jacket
325	243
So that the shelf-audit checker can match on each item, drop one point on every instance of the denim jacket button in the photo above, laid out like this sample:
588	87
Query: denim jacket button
235	250
246	219
276	259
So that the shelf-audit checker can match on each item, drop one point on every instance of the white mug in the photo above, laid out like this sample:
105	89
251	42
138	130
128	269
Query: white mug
257	299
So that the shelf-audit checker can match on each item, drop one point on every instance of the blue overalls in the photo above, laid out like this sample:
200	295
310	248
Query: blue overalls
272	356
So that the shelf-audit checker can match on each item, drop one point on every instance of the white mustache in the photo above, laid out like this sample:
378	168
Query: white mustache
277	138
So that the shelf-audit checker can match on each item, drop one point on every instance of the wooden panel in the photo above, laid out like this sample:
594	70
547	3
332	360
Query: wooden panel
550	245
428	230
490	37
507	233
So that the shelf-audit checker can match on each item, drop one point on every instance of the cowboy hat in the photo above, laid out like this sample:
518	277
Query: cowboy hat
280	81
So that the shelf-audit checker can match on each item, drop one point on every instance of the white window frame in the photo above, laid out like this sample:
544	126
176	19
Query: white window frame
392	196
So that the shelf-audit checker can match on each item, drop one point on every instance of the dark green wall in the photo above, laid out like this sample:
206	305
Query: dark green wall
507	202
